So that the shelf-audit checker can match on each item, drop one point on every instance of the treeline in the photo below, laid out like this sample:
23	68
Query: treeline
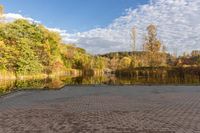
30	48
153	56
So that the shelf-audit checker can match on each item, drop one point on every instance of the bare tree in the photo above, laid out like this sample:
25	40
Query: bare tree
133	38
164	49
175	54
1	10
1	13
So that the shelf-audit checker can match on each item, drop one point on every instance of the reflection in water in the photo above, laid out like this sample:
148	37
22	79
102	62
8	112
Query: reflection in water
6	86
136	78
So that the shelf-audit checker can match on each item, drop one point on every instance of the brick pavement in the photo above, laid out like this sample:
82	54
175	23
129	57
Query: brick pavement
168	112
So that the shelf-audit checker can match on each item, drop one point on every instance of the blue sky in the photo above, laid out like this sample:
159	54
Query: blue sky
102	26
71	15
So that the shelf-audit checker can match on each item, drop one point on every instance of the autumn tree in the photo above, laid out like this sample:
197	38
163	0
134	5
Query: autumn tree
152	43
99	63
153	46
124	63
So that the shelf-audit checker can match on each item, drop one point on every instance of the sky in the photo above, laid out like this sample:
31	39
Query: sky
102	26
71	15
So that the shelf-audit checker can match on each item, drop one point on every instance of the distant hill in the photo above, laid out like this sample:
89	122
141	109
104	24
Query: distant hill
122	54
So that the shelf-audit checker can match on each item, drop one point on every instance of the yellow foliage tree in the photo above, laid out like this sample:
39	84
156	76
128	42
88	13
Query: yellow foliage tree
153	46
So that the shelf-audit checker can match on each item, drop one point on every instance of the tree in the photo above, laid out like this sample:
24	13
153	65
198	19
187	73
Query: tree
133	38
152	46
1	10
1	13
99	63
29	48
164	49
125	62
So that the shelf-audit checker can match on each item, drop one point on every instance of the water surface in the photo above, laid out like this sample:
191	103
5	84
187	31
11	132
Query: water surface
142	78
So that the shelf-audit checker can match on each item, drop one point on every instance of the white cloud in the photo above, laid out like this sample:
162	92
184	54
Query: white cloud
177	21
9	17
65	36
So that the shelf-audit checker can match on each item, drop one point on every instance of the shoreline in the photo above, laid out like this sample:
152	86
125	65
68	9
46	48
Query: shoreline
5	75
96	86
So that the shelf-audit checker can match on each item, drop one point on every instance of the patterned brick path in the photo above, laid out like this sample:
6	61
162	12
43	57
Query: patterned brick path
109	112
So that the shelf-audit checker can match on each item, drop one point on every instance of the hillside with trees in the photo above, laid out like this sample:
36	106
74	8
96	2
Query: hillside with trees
29	48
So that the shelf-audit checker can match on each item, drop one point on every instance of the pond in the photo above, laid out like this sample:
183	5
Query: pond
138	78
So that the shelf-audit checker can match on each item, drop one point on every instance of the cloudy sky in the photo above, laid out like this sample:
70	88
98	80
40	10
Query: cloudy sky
102	26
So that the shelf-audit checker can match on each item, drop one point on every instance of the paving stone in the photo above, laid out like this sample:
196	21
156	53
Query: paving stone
155	113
